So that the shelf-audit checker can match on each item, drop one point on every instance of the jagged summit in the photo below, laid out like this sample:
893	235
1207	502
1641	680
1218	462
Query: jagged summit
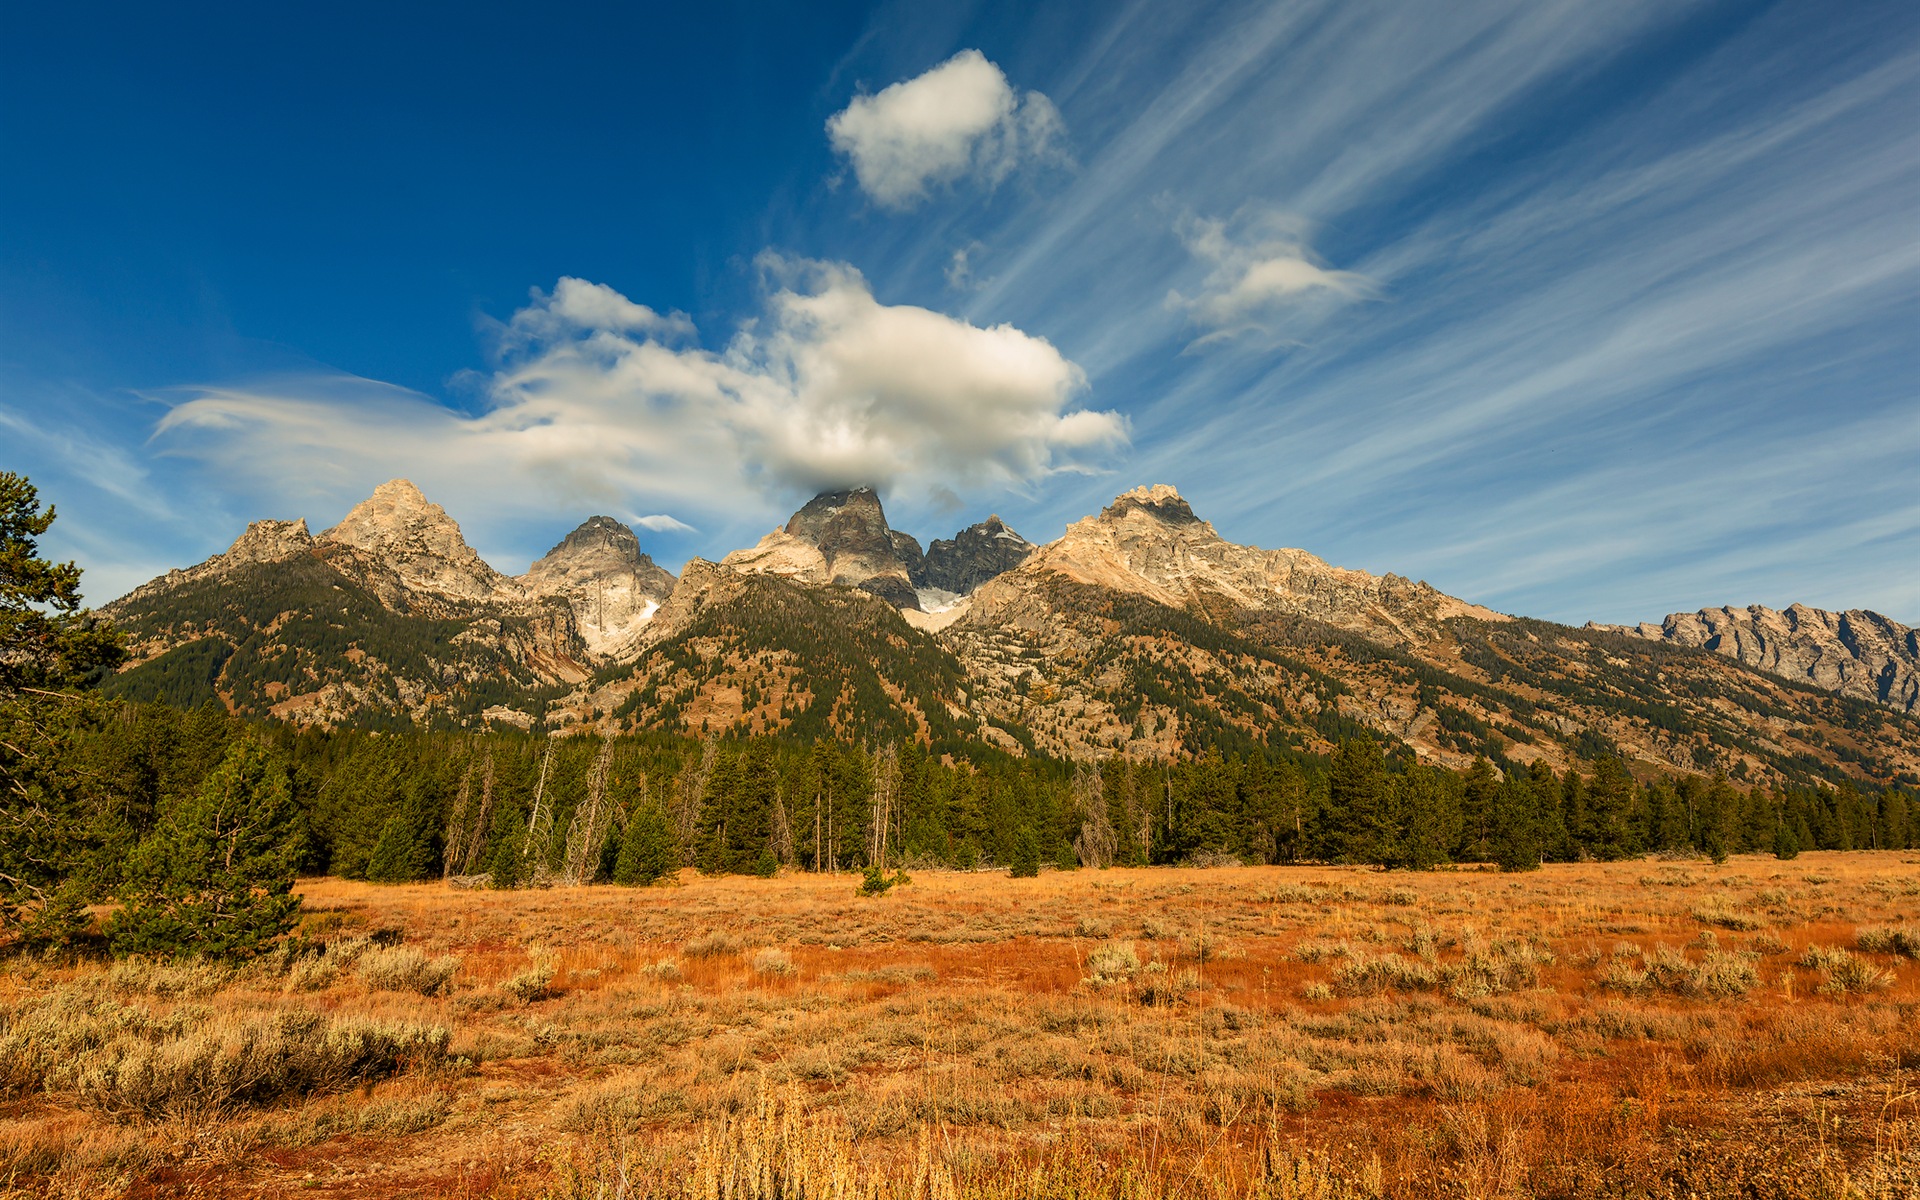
973	556
1150	543
1160	500
416	540
613	587
838	537
1858	653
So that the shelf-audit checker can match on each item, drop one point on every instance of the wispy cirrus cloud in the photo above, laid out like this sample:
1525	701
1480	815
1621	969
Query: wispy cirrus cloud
961	119
1262	279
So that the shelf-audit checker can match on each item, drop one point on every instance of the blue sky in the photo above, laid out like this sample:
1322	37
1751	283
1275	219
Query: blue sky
1576	310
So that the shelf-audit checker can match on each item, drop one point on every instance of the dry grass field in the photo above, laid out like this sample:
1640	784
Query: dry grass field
1627	1029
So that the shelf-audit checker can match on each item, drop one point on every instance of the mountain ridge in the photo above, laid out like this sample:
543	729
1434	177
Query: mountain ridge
1139	632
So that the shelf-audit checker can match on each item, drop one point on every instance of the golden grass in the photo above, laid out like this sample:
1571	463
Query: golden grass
1593	1030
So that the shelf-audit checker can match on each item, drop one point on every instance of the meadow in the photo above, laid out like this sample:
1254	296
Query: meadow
1630	1029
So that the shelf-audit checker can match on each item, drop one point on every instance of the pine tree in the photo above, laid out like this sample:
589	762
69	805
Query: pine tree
53	833
647	851
1025	862
215	876
1360	825
508	866
1785	845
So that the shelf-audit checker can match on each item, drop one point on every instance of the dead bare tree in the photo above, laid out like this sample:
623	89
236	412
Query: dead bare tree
454	845
540	824
1096	844
687	791
587	832
886	788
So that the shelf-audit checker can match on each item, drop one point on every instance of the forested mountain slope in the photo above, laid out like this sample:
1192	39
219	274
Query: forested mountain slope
1141	633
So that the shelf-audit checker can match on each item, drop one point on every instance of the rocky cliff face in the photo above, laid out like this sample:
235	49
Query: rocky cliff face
1149	543
838	538
1856	653
973	556
414	539
611	585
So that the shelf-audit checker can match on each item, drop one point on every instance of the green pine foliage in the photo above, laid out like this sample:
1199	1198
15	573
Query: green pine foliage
647	850
1785	844
1025	861
214	877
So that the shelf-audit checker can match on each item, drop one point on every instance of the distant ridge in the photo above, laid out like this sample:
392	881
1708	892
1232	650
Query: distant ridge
1856	653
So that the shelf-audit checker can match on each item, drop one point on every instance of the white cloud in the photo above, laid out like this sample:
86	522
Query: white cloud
591	403
961	119
662	523
1263	278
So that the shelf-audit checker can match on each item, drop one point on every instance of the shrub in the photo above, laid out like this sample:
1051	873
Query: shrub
169	980
1849	974
1092	927
772	961
215	877
1785	845
711	945
530	984
407	969
1716	975
125	1059
1903	940
1115	962
1362	976
1717	910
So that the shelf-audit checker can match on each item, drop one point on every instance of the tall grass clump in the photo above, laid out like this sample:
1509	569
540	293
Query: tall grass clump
122	1058
1903	940
407	969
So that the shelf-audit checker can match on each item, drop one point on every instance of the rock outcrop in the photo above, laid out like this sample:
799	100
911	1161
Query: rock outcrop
263	542
838	538
1856	653
412	537
613	587
1148	542
973	556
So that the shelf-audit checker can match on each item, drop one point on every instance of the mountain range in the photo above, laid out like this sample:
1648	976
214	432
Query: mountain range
1139	632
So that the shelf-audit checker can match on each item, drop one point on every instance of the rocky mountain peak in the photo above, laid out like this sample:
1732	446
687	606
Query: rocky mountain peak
848	522
613	587
403	531
270	541
1149	543
1160	501
1856	653
973	556
842	538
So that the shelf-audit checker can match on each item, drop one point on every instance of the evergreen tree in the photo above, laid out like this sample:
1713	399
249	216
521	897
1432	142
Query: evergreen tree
1359	824
1025	862
53	829
1424	817
215	876
508	865
1516	825
1785	845
647	851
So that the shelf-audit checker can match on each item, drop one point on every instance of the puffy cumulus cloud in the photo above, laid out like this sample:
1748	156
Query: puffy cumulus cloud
960	119
600	400
1262	279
